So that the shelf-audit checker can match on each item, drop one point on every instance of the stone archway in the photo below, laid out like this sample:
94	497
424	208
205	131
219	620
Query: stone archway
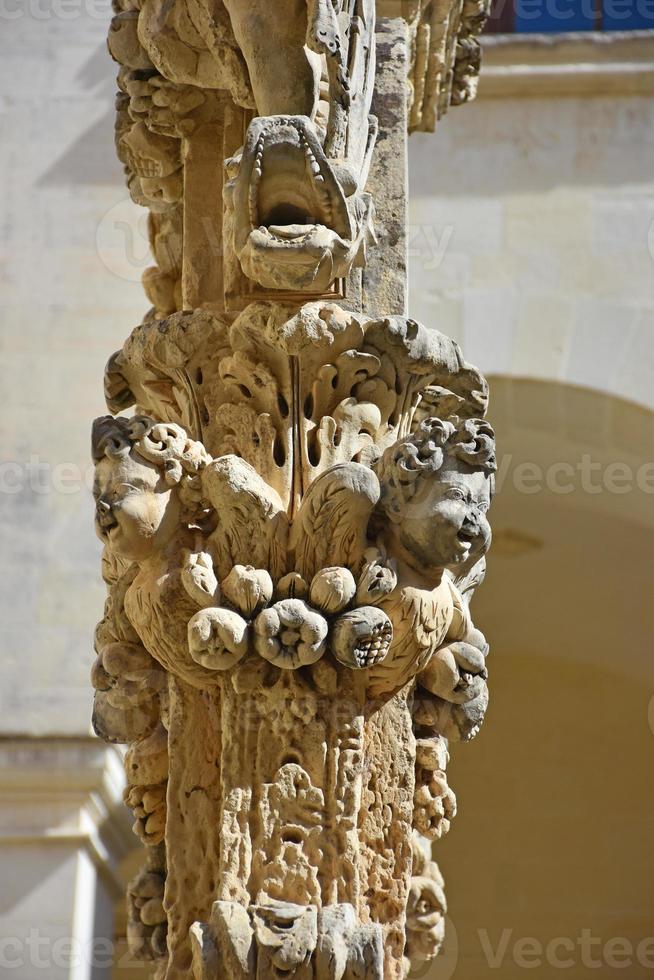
553	838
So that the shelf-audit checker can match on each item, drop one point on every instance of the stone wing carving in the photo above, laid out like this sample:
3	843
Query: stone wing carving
330	527
252	525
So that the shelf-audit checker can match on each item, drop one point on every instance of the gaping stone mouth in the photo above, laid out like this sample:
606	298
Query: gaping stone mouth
292	224
291	186
467	538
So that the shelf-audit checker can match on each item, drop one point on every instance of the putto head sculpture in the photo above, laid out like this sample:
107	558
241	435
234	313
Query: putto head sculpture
437	486
426	910
146	483
153	164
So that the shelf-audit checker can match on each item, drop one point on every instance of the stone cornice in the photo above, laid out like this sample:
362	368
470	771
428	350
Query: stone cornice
577	64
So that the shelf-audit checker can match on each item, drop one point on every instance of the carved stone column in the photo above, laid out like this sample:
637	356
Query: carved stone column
294	516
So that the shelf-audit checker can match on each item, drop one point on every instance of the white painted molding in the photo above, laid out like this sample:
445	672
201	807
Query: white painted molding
66	791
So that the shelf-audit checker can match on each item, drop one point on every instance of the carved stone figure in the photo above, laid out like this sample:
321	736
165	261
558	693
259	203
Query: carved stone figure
436	491
445	54
294	517
426	908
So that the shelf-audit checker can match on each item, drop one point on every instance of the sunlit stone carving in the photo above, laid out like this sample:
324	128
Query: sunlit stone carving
293	517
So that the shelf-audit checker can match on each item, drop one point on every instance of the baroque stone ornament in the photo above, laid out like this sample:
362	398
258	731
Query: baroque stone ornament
291	490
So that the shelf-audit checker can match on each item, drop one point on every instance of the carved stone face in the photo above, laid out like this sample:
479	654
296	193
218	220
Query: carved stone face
161	192
137	513
445	525
155	164
295	226
425	918
286	936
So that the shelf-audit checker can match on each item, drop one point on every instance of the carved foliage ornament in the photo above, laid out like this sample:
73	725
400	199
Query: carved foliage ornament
294	514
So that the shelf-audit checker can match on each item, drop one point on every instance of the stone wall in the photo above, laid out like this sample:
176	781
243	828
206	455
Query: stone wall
532	238
63	308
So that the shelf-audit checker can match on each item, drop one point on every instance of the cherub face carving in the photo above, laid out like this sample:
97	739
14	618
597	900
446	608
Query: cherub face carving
137	512
144	476
155	166
436	489
448	527
426	915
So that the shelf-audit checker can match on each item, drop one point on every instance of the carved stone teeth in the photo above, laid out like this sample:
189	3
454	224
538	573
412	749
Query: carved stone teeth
326	204
253	205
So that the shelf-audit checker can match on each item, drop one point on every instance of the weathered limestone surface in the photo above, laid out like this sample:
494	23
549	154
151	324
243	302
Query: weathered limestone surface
294	516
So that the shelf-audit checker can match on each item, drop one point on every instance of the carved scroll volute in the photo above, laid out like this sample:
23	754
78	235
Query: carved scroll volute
294	519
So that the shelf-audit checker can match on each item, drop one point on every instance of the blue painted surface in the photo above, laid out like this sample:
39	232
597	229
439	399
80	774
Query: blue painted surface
628	15
562	16
555	16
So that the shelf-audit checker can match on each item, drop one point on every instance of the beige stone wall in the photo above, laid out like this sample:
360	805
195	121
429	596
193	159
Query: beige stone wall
532	227
63	308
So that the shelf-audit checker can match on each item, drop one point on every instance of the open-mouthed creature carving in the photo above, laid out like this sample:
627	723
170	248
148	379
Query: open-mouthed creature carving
297	215
299	218
295	198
